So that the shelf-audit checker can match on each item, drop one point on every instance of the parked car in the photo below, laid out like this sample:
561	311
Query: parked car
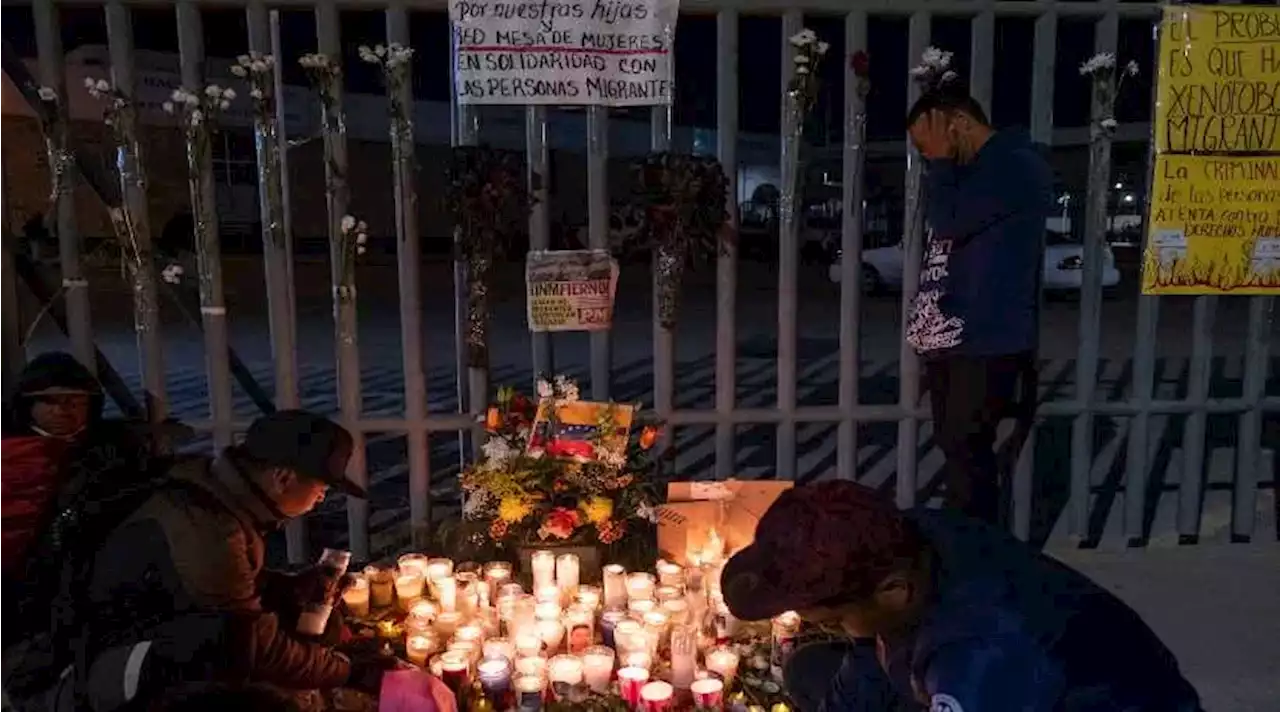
1063	266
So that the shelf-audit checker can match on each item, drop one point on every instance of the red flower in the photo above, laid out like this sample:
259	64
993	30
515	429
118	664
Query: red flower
498	529
559	523
860	62
649	436
493	419
610	531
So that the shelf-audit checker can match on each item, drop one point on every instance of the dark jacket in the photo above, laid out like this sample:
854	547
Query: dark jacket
186	573
980	271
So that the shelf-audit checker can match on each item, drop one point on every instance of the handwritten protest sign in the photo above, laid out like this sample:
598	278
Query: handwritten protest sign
570	290
588	52
1215	200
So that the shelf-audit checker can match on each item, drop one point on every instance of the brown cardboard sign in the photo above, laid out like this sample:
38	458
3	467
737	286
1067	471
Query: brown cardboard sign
697	512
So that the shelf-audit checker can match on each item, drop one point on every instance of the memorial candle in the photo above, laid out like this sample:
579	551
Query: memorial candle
532	665
638	607
677	610
382	586
608	621
565	673
543	563
496	574
413	563
629	635
495	647
640	585
567	571
547	594
455	666
529	691
670	574
446	589
471	633
656	696
637	658
547	611
423	610
630	682
495	677
469	647
708	694
356	597
528	643
447	623
438	568
579	623
723	662
615	585
552	634
466	592
597	667
418	647
408	589
667	593
589	596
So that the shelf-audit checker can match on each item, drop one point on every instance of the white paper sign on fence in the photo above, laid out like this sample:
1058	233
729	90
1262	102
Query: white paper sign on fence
570	290
584	52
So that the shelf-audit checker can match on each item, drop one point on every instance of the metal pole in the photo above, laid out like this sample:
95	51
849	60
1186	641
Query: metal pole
276	251
538	158
409	241
282	134
790	215
598	235
213	307
727	262
851	234
129	164
982	35
347	332
664	346
1244	497
62	167
913	243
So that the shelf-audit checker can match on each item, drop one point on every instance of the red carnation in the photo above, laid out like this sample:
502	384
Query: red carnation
860	63
559	523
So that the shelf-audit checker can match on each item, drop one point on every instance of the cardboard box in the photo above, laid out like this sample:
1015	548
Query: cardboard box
695	509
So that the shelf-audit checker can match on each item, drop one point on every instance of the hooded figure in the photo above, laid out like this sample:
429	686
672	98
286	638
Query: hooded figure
55	396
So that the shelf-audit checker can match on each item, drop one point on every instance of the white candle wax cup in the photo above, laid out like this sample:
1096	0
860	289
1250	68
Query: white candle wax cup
419	626
382	588
547	594
470	632
495	647
615	585
637	659
446	590
684	656
314	618
724	663
543	564
656	695
409	586
417	648
466	592
552	634
640	585
336	559
525	612
597	667
579	626
565	669
532	665
496	574
677	610
567	571
670	574
640	606
630	681
667	593
413	563
356	597
511	589
447	622
423	610
657	621
528	643
455	662
438	569
547	611
470	648
625	632
589	596
708	693
494	674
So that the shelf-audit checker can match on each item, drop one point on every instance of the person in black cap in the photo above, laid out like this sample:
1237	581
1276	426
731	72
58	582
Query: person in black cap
178	592
944	613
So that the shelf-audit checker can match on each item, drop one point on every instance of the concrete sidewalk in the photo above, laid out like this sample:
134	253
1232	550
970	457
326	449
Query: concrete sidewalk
1217	607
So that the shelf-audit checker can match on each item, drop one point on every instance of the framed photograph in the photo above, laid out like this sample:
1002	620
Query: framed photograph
584	431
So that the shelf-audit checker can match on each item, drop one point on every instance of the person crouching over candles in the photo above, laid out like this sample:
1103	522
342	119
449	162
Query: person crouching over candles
945	611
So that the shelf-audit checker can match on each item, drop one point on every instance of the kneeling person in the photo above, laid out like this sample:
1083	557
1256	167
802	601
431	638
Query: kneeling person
946	613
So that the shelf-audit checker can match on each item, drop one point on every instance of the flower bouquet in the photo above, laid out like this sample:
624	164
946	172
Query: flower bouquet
561	472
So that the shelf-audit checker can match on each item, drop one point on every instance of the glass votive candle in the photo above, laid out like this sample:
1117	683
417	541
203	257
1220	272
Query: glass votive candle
657	621
438	568
708	694
510	589
524	613
415	563
609	620
529	691
532	665
409	588
470	632
629	635
418	647
723	663
579	626
677	610
630	681
552	634
494	647
547	611
785	628
667	593
447	623
382	586
455	668
641	658
670	574
638	607
495	677
640	585
547	594
564	672
656	696
568	568
466	592
356	597
425	610
470	648
528	643
543	563
446	592
588	596
597	667
615	585
496	574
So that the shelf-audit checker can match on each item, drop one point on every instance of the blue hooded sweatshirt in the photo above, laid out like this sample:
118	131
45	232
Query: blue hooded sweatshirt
980	270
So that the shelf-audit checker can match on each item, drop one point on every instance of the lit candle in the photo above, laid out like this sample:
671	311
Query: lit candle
656	696
413	563
670	574
547	611
446	589
419	626
723	662
528	643
640	585
424	610
470	632
615	585
382	587
708	694
496	574
529	691
470	647
543	563
608	621
495	677
567	571
495	647
356	597
548	594
677	609
667	593
657	621
454	668
637	658
597	667
628	634
466	592
510	589
630	681
552	633
447	623
786	626
438	569
579	624
418	647
565	673
726	624
532	665
638	607
408	589
684	656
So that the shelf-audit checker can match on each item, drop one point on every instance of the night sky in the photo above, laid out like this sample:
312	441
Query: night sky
759	70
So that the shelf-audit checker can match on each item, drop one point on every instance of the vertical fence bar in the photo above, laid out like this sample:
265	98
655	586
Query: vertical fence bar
129	164
204	200
727	261
1199	372
62	173
472	386
282	136
598	235
918	28
14	354
329	38
538	160
851	194
1097	191
1244	497
1043	64
790	215
664	348
275	251
409	256
982	37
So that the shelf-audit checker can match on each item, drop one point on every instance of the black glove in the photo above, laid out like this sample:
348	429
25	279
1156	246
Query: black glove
367	671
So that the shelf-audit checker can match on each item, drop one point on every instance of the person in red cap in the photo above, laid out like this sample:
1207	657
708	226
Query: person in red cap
945	613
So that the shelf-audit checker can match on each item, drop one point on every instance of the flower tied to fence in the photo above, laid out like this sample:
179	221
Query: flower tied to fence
395	61
54	125
860	63
198	111
1101	70
487	197
325	76
353	235
117	115
259	70
934	72
803	88
684	199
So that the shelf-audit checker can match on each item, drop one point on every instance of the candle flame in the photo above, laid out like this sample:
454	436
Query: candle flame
715	546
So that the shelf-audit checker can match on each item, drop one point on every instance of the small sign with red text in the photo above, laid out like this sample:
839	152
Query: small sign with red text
570	290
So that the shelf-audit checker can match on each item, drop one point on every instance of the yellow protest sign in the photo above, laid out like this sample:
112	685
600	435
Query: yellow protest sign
1215	196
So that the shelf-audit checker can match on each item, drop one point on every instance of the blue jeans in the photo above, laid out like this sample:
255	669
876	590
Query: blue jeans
841	677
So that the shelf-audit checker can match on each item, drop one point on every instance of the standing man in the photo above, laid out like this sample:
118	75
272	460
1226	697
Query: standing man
974	321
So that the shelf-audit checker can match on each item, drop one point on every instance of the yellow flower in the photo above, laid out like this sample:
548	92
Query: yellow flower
597	509
513	509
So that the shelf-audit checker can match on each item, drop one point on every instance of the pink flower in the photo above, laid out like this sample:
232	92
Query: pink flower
559	523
